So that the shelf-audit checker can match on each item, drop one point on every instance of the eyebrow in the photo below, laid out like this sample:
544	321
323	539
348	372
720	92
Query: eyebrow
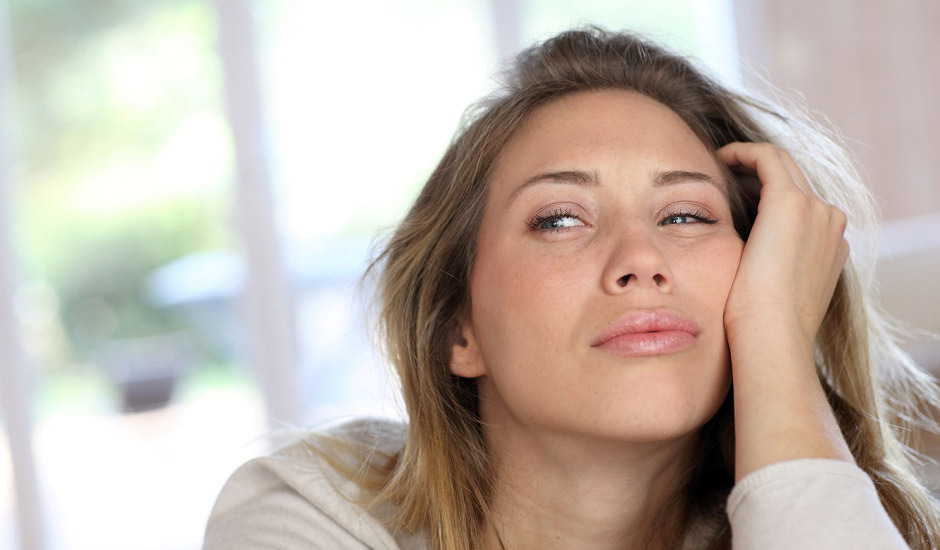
581	177
570	177
672	177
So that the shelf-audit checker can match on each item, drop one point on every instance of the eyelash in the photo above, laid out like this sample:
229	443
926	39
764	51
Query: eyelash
537	220
694	214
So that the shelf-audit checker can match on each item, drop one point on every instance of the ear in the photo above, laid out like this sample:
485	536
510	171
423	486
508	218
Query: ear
465	357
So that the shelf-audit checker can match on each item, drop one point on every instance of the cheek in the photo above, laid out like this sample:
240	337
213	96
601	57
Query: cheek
725	262
518	297
711	269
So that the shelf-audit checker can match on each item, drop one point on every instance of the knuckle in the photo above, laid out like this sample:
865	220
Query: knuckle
840	219
819	206
804	199
842	252
765	148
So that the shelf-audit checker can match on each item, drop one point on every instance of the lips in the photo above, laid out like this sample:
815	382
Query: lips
648	332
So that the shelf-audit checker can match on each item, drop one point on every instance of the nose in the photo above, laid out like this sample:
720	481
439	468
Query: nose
637	261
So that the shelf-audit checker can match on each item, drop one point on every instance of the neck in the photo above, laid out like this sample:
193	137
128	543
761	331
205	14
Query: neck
558	491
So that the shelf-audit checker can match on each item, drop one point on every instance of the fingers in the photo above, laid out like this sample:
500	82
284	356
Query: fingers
796	173
778	174
796	248
774	167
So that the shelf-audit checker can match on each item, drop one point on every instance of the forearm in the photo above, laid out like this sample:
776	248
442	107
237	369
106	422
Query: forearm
781	411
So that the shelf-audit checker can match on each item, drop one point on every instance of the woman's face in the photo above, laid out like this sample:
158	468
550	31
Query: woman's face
604	257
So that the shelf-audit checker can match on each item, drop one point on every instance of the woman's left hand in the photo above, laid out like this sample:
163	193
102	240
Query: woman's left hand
785	281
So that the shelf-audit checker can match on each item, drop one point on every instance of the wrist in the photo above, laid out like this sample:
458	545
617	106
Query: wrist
768	330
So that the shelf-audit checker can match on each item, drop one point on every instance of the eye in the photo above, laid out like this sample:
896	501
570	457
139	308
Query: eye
555	220
693	216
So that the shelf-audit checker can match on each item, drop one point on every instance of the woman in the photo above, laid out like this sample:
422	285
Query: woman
608	243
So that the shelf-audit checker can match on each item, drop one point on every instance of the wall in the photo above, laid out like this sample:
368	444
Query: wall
873	68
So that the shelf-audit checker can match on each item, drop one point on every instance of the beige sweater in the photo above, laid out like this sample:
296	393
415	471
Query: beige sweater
292	500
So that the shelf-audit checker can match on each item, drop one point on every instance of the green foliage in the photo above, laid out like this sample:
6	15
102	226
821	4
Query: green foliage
100	269
123	153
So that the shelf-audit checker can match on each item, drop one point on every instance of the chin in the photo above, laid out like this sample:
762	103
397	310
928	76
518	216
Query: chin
664	410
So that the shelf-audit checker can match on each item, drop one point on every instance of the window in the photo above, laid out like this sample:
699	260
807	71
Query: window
124	182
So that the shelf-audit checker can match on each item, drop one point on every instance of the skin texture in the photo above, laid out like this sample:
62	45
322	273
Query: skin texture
604	204
784	284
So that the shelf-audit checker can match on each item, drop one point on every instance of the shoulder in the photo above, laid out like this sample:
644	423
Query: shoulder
369	435
301	496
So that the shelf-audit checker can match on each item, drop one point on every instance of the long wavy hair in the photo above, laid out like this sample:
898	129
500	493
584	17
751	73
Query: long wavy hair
440	482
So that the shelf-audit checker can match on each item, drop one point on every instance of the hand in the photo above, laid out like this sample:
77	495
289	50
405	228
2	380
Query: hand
780	294
795	251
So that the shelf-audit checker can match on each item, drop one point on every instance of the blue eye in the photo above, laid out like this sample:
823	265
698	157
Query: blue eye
554	221
678	218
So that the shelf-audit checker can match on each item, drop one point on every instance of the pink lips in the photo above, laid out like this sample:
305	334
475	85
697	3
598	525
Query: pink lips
648	332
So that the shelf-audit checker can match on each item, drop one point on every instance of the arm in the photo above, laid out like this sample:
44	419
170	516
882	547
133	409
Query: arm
785	497
810	504
784	283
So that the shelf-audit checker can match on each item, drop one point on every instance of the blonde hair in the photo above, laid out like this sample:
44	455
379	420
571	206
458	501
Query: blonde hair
441	481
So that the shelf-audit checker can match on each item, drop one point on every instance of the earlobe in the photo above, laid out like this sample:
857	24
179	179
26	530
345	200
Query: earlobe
465	358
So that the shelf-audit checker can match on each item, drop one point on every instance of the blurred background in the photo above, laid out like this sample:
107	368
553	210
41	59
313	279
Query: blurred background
190	192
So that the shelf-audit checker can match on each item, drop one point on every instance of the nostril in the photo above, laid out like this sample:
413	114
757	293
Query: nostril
659	279
624	280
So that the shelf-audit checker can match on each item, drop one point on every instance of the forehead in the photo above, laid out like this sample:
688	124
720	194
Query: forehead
615	127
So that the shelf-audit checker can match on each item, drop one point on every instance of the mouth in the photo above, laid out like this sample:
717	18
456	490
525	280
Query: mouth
648	333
